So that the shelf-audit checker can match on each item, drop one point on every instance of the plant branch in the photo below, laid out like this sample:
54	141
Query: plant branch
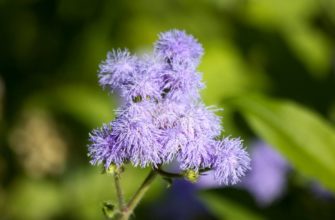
168	174
119	193
128	210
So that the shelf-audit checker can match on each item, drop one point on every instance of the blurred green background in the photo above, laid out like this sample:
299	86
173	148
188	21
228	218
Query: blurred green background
269	63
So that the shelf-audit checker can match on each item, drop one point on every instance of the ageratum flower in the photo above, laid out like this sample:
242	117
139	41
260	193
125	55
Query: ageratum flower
103	147
182	85
162	117
117	69
178	48
231	162
138	138
145	81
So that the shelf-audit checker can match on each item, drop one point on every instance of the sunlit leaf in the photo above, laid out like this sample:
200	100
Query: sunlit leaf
301	135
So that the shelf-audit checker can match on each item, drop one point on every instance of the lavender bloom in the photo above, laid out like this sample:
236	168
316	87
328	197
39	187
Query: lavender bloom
167	114
179	48
182	53
196	154
138	139
163	118
267	179
141	87
198	119
207	120
172	141
232	161
103	148
198	126
145	83
182	85
188	133
117	69
143	109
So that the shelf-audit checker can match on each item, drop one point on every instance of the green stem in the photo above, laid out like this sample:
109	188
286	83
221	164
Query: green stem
128	210
119	193
168	174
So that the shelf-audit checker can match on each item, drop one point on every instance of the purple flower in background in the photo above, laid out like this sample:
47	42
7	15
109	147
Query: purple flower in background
319	191
231	162
180	203
267	179
163	118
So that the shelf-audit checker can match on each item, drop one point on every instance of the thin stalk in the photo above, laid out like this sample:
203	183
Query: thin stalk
128	210
119	193
168	174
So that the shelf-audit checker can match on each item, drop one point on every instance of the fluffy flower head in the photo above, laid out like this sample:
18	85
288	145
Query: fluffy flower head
162	117
138	139
177	47
232	161
103	147
117	69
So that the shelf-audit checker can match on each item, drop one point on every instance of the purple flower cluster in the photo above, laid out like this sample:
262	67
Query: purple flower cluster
163	118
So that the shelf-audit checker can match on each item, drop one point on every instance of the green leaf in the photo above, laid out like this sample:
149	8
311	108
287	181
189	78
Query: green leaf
224	208
302	136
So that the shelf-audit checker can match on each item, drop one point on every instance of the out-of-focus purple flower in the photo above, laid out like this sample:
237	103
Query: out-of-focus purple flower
179	48
321	192
207	181
267	179
181	194
117	69
232	161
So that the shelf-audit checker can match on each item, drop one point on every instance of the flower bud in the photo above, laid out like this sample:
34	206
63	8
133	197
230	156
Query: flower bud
113	169
191	175
108	209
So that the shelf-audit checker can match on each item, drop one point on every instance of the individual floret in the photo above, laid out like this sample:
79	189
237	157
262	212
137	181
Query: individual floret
117	70
182	86
231	162
104	149
138	138
177	47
